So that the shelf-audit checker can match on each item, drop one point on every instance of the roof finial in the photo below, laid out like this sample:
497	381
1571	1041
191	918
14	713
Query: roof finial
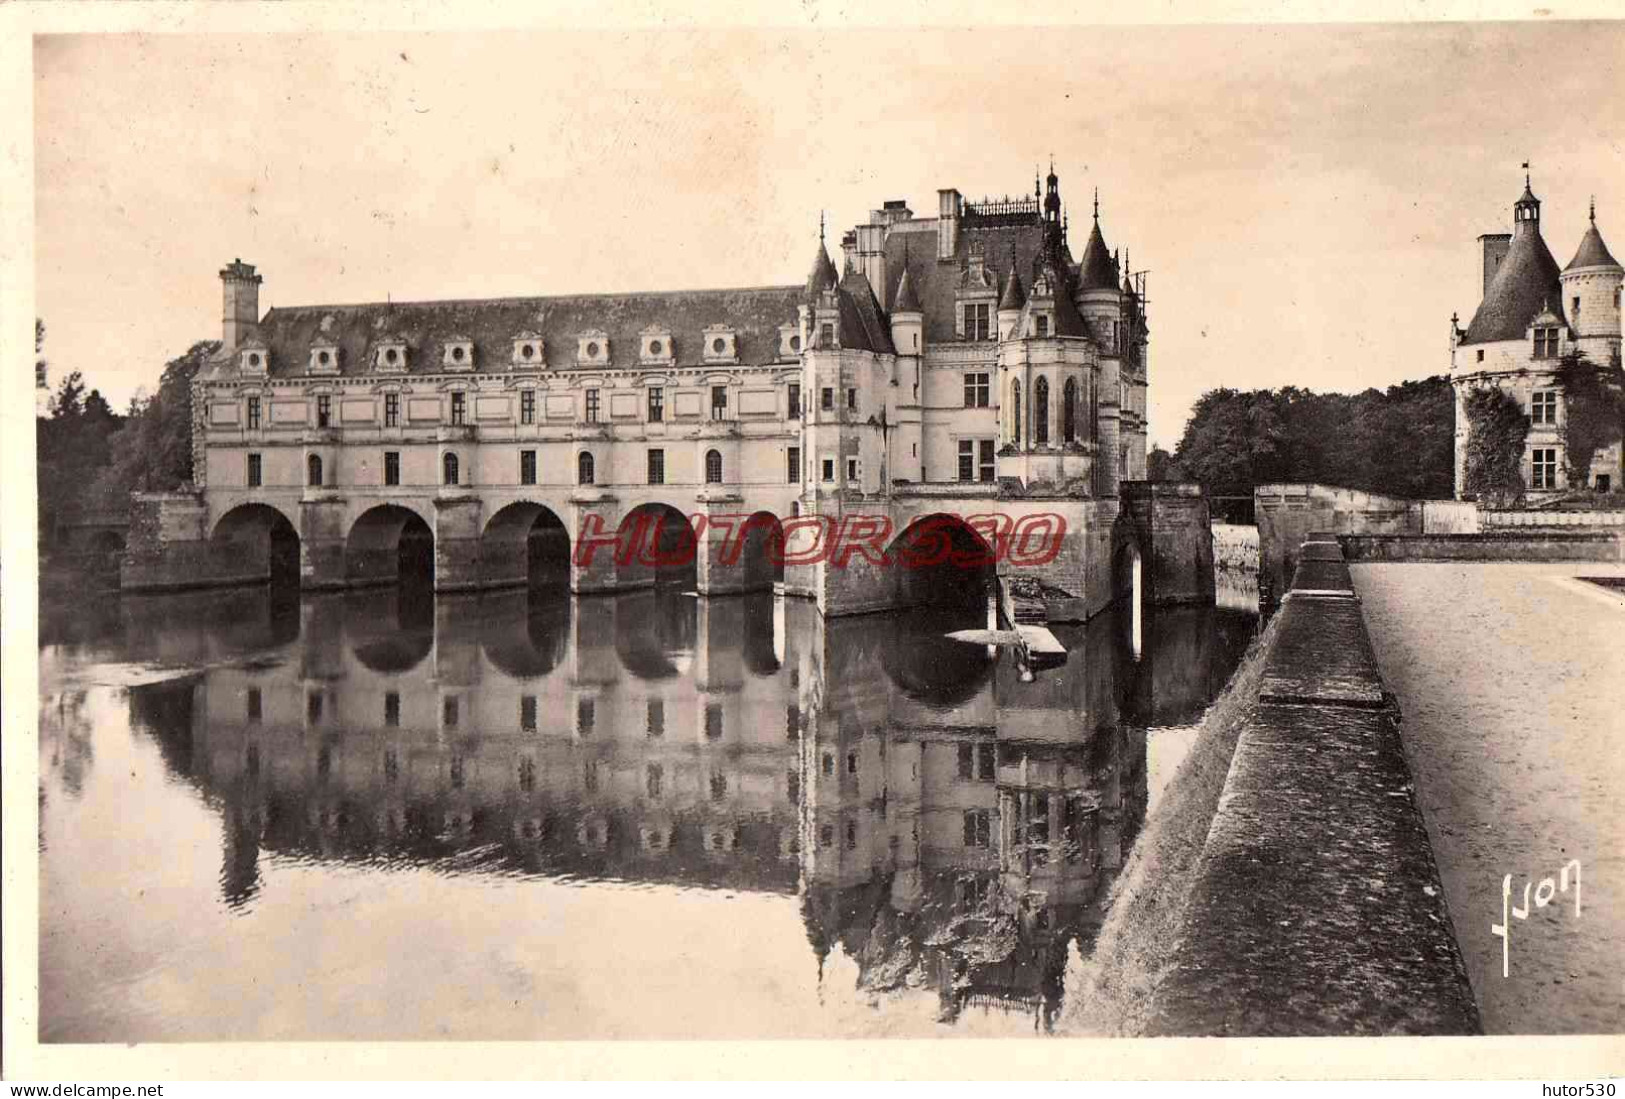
820	227
1593	209
1526	175
1097	205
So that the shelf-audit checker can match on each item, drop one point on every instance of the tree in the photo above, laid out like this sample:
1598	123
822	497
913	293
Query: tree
1399	441
153	451
1160	466
1496	430
1593	411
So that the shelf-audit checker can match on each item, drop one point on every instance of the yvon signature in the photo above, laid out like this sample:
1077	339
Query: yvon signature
1544	893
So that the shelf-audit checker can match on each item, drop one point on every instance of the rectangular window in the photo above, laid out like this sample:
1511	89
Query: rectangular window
459	407
584	717
967	459
826	335
719	402
253	705
852	469
527	713
826	399
657	467
254	471
794	411
1042	324
713	721
1546	343
657	404
985	467
978	828
527	406
392	709
592	406
976	320
977	390
324	410
851	400
655	717
392	467
1543	407
792	722
449	712
829	469
527	467
253	413
1543	461
792	465
392	409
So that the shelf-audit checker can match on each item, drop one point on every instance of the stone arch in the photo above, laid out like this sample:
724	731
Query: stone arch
938	560
389	543
389	631
656	545
655	634
761	552
257	541
524	543
1129	583
523	636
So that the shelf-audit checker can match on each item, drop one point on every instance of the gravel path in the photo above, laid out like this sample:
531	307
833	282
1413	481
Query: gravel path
1511	680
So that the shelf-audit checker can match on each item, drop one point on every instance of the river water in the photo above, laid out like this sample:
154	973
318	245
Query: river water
391	815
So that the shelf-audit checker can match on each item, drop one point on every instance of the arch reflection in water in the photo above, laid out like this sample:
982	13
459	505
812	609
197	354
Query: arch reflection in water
949	826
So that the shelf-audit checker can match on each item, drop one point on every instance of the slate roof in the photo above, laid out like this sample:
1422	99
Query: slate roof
863	325
755	314
1014	296
1592	252
905	300
936	282
1526	283
1096	270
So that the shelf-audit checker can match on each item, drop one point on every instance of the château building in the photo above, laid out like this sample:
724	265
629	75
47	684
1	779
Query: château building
960	363
1532	314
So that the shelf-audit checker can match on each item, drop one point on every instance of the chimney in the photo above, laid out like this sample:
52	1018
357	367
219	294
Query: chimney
241	293
948	207
1496	246
872	257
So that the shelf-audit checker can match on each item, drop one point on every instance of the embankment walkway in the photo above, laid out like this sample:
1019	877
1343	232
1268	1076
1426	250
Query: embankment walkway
1317	908
1511	681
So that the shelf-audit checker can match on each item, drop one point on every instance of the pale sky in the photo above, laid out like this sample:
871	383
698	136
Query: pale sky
1306	198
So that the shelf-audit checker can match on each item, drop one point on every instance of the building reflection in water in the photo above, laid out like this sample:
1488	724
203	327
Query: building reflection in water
944	823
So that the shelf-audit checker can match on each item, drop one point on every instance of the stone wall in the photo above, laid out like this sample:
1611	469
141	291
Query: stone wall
1499	546
1317	907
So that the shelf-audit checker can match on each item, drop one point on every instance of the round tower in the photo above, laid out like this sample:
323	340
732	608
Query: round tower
1591	288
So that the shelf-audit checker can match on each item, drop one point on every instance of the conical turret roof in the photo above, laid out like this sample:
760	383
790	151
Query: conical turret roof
1592	252
1526	283
1096	271
823	276
906	301
1014	296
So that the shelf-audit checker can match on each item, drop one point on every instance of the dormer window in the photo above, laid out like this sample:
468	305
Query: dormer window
975	320
655	347
1546	342
789	341
528	349
254	357
389	356
720	344
458	353
324	357
592	348
1041	325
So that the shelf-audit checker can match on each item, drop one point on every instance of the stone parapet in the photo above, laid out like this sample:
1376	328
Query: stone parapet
1317	907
